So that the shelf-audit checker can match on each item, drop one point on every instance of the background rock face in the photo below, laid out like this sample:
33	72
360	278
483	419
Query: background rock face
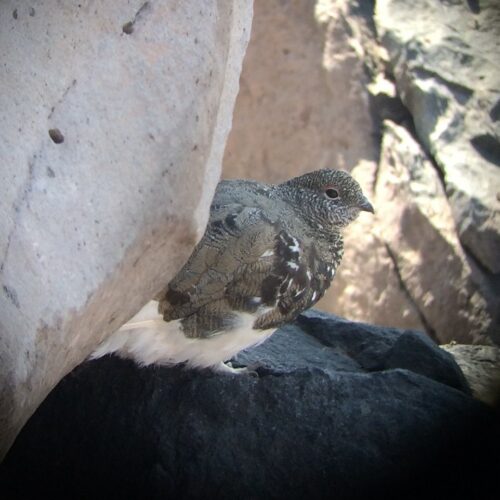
113	125
361	411
429	259
415	223
302	103
446	65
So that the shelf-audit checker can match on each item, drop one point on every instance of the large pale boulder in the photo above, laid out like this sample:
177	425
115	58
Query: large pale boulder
446	64
113	125
302	103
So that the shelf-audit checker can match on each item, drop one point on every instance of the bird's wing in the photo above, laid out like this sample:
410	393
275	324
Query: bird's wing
247	262
236	236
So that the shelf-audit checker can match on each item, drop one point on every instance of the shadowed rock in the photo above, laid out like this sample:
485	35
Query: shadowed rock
339	409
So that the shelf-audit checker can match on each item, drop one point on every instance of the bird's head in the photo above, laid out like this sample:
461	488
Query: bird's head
326	197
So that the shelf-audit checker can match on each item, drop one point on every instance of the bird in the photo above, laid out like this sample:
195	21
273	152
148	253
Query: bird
269	252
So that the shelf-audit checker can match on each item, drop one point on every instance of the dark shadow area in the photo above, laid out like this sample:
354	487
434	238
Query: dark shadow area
488	147
340	410
495	111
474	6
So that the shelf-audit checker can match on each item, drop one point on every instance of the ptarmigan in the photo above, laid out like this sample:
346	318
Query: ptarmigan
269	252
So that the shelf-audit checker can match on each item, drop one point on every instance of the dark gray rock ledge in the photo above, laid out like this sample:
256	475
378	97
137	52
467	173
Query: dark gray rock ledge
340	410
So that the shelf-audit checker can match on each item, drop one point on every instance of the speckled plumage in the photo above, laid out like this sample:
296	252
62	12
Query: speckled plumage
268	253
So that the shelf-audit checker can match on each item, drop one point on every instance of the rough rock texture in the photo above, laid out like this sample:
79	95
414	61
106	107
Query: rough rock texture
113	125
415	222
302	103
339	410
407	267
445	60
481	366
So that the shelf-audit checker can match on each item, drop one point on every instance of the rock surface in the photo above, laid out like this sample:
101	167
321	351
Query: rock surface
113	125
445	60
339	407
302	103
481	366
407	267
415	222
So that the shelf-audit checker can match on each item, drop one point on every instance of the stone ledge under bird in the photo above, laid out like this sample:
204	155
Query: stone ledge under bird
268	253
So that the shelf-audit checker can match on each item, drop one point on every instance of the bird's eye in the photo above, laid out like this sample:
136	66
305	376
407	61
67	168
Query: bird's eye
332	193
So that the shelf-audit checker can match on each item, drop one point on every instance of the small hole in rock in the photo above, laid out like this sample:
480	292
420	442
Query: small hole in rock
128	28
56	135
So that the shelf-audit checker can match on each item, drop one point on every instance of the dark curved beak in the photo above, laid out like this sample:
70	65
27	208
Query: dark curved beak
366	206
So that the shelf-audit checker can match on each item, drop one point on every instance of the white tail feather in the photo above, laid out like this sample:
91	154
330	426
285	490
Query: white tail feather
148	323
147	313
148	339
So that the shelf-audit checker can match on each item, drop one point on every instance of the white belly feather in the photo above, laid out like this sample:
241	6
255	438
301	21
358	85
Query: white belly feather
148	339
